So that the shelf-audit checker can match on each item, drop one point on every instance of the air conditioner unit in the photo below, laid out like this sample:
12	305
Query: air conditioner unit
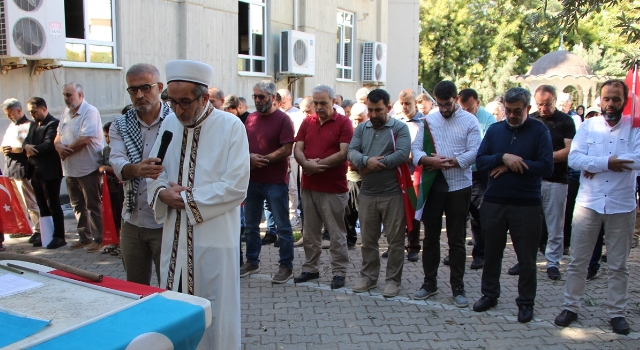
374	62
297	53
32	29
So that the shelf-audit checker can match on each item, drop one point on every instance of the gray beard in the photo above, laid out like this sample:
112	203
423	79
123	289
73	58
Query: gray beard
615	117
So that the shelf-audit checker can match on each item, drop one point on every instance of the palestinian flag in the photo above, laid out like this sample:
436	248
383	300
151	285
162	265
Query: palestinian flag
423	180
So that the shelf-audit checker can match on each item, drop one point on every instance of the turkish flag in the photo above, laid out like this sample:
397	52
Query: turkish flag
109	234
13	217
633	104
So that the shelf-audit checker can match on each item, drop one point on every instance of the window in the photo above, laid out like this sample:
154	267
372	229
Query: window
90	32
344	42
252	56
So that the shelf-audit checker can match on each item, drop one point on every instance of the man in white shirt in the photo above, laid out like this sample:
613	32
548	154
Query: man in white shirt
132	136
607	150
294	198
79	143
455	134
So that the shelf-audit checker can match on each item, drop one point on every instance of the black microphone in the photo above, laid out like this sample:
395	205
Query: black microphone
164	144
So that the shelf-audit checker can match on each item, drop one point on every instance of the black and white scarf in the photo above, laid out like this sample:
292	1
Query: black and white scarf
128	126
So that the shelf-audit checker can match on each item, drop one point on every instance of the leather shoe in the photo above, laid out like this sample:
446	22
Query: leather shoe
37	242
446	261
306	276
525	314
56	243
34	237
412	256
620	325
269	238
477	264
484	304
565	318
338	282
515	270
553	273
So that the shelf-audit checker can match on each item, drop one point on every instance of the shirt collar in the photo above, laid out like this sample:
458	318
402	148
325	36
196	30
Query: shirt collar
154	122
390	123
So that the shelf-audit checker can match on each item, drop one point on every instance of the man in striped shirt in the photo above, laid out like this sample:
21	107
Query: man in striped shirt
456	136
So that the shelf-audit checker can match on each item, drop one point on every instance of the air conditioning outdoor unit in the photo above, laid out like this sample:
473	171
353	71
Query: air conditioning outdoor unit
297	53
32	29
374	62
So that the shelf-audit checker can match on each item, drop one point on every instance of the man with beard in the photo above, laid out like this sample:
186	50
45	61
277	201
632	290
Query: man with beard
47	174
378	147
446	145
607	150
132	136
517	153
79	143
197	197
270	133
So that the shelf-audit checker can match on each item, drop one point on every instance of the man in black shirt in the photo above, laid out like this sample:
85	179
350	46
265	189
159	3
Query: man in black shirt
554	188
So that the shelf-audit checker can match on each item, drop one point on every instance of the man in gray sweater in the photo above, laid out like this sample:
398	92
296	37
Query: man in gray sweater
378	147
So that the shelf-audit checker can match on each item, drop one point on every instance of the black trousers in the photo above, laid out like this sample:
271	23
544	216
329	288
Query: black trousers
524	224
479	185
47	193
572	193
455	205
351	213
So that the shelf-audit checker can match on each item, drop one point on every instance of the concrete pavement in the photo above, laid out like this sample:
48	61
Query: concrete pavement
312	316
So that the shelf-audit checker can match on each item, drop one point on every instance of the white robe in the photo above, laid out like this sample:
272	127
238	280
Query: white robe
212	158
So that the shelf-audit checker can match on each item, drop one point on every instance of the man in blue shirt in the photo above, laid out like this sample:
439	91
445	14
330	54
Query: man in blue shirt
517	153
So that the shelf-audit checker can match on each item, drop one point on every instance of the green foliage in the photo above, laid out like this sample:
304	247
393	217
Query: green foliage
481	43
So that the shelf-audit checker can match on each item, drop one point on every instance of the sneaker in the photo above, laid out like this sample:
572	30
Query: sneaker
425	292
459	298
283	275
248	269
591	274
364	285
296	224
93	247
391	290
78	245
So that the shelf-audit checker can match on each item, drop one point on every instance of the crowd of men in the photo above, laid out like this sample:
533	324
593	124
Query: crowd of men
326	166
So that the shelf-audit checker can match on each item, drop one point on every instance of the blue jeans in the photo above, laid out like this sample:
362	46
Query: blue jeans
277	196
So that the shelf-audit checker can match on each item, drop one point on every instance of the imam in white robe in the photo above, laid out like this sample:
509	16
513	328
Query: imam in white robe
201	243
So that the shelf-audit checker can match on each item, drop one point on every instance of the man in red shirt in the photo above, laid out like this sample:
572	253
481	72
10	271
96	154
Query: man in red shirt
270	134
321	150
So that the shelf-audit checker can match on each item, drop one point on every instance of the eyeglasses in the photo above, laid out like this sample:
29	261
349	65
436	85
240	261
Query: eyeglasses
546	105
184	104
517	112
260	97
132	90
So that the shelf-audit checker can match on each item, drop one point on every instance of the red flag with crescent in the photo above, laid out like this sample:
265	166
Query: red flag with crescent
633	104
109	234
13	212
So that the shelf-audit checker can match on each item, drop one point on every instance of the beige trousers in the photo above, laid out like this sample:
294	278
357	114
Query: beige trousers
26	191
388	211
325	208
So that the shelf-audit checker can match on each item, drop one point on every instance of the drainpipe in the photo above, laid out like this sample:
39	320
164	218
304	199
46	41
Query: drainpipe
295	14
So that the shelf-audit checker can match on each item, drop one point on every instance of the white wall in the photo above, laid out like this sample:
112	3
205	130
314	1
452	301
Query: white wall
402	51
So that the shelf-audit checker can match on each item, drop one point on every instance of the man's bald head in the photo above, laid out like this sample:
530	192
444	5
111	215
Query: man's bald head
216	97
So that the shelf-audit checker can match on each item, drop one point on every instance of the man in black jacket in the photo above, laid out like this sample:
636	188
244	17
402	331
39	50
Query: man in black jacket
47	174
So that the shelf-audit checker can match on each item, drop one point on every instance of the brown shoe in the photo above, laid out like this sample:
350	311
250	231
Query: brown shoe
78	245
93	247
283	275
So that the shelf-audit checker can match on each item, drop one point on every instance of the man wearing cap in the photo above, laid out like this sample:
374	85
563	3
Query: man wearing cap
197	197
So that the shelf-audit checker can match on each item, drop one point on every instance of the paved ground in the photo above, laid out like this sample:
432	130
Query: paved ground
312	316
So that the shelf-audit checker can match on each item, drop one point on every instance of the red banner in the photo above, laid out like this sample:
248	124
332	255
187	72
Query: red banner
633	105
13	212
109	233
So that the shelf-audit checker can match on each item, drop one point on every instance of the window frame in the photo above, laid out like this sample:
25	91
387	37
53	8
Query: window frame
88	42
265	42
353	46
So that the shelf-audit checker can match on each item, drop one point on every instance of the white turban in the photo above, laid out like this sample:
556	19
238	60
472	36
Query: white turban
191	71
